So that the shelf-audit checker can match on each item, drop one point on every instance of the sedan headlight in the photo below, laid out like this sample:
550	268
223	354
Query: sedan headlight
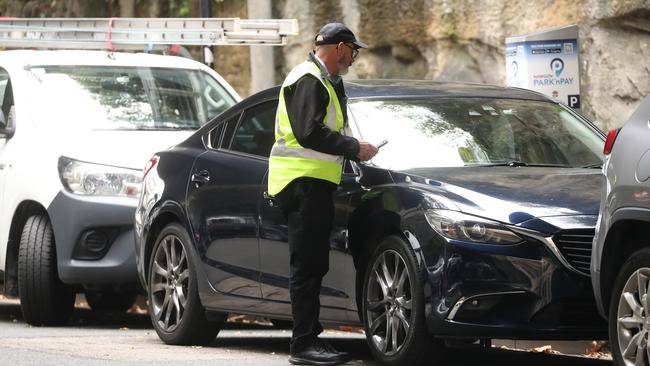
459	226
99	180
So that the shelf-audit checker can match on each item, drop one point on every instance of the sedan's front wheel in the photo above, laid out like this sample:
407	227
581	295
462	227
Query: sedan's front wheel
629	312
393	307
174	305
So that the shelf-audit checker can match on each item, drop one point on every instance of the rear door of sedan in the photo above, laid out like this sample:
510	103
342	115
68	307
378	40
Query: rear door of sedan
223	199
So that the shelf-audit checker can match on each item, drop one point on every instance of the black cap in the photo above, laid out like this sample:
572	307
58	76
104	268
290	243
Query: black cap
333	33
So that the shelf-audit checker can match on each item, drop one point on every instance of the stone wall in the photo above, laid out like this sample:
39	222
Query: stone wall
461	40
465	40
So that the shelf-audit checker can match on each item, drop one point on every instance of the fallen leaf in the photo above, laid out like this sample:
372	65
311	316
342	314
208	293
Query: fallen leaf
545	349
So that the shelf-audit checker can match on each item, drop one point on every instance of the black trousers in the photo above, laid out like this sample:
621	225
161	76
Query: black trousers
308	205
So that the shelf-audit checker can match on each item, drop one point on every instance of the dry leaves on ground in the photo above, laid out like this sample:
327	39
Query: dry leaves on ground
548	349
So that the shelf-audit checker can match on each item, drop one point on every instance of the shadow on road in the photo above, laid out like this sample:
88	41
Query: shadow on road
10	311
455	357
84	318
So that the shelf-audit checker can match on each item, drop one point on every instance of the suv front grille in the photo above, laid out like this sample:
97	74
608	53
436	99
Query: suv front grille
575	246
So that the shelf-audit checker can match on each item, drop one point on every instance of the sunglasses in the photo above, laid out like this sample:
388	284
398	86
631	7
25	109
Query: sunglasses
355	51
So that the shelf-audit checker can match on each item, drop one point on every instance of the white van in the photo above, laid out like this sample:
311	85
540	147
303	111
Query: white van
76	130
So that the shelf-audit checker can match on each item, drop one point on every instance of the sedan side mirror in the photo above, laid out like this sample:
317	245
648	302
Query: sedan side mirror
7	127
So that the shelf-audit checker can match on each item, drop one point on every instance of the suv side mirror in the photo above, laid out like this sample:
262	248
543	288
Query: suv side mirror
7	127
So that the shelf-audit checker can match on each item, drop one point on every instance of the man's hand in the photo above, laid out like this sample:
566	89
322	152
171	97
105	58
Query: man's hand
366	151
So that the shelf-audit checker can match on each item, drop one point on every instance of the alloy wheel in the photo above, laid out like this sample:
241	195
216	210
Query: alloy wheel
633	319
169	283
388	303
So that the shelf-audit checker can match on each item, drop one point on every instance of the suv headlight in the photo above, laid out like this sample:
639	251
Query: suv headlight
459	226
99	180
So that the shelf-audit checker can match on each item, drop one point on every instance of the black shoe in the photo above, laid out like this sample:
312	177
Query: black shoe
324	344
318	354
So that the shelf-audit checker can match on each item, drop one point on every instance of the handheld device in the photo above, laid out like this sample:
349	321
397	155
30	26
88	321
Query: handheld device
382	143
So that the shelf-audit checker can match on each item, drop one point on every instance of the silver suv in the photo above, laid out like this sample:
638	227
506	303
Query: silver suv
620	264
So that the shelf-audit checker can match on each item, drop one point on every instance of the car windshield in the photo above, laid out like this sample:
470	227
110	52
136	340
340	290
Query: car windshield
475	132
132	98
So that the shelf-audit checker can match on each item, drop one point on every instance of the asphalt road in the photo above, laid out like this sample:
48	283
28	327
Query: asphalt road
128	339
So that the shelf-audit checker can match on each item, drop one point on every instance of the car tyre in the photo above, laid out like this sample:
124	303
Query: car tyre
174	305
629	311
393	307
110	300
44	299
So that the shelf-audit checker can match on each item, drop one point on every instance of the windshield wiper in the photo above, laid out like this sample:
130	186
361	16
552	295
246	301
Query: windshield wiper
169	128
518	163
593	166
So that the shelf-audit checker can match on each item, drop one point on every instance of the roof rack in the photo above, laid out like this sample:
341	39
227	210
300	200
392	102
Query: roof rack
136	33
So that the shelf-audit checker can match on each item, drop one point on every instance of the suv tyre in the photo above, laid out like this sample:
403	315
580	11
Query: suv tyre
629	311
44	299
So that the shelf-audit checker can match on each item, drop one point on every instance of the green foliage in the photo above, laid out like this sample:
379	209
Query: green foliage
449	25
184	9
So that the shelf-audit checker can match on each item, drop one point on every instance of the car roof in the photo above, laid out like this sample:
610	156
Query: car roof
20	58
392	88
428	88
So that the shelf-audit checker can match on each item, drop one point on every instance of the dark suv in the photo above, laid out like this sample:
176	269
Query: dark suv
621	253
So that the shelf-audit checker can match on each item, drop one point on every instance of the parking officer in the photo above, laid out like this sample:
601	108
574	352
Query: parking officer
304	170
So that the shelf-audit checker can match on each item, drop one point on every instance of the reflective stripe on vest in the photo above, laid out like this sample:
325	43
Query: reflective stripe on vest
289	160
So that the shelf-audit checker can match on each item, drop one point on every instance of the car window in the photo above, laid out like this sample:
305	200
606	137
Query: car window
255	133
131	98
229	130
442	132
221	134
6	93
215	135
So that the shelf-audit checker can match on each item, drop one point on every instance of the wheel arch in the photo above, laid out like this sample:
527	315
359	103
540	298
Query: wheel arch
168	213
623	239
24	210
366	234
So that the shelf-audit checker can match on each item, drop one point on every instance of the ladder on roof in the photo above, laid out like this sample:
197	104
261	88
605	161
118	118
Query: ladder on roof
138	33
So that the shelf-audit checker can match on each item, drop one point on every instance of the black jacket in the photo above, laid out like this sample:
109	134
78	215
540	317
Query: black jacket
306	101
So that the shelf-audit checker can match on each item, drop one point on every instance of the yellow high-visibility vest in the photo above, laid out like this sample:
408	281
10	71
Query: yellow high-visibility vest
289	160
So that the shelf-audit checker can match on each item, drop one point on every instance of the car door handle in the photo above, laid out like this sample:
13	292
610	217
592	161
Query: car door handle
200	177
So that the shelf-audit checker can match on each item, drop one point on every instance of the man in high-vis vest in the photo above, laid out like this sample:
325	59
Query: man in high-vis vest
304	170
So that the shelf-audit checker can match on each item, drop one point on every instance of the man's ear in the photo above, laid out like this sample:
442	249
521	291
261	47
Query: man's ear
339	48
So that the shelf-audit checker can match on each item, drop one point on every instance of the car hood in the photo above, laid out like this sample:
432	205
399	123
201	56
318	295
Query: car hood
127	149
513	194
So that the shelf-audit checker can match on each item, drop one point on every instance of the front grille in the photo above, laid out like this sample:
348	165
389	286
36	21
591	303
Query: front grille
575	246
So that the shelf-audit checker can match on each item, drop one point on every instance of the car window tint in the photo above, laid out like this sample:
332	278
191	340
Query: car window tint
229	129
256	131
215	135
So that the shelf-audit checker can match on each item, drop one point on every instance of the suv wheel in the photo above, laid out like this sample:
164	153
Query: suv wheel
174	305
110	300
393	307
629	311
44	299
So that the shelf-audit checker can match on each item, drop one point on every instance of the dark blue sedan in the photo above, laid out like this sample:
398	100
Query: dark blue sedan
475	221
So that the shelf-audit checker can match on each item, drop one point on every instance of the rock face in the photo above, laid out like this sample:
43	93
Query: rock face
461	40
465	40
